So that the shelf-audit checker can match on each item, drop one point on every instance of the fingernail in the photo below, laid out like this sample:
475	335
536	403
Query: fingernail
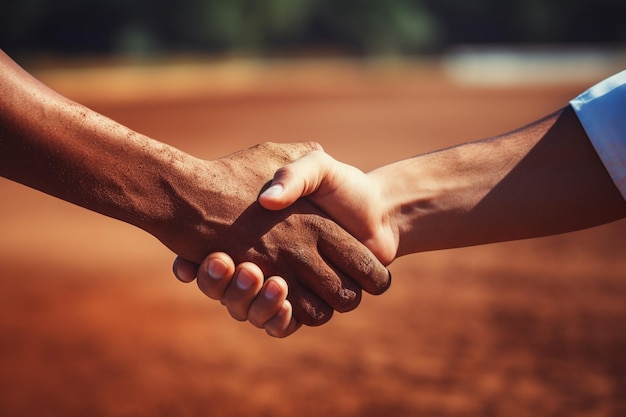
217	269
272	290
274	191
244	280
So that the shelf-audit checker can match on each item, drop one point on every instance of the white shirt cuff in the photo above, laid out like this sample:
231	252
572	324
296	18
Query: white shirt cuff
602	113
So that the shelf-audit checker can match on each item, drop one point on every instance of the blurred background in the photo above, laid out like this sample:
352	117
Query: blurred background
92	321
143	27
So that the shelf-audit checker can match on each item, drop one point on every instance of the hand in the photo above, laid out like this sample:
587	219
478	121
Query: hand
194	207
243	291
216	211
350	197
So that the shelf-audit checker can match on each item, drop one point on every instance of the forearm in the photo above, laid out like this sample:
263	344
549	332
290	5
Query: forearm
59	147
540	180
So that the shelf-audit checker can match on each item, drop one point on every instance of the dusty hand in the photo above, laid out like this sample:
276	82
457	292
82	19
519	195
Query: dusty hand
324	266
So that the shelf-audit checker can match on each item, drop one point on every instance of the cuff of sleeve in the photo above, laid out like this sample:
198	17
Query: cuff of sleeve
602	113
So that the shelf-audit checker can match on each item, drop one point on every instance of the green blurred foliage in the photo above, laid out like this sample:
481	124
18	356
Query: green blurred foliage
146	27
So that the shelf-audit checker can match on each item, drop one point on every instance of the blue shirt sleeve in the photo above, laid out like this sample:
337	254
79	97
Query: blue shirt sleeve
602	113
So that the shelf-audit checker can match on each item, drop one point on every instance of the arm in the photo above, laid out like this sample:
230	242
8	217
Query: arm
543	179
540	180
193	206
57	146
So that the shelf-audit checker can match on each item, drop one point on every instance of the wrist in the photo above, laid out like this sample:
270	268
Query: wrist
182	203
428	197
386	224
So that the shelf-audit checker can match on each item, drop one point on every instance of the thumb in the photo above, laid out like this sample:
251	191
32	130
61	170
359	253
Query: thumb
297	179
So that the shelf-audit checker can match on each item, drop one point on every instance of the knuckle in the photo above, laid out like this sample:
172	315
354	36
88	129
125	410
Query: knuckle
349	300
366	264
256	323
316	317
314	145
268	145
236	315
284	173
205	288
275	333
378	277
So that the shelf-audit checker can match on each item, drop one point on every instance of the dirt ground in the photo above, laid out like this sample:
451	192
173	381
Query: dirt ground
92	322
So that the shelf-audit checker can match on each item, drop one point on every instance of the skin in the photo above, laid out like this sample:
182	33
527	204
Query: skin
244	292
193	206
540	180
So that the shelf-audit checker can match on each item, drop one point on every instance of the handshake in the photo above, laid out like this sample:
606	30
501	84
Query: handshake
313	265
195	207
241	229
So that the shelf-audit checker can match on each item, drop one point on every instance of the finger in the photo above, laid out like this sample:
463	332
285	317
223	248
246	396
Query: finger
184	270
268	302
307	307
353	259
283	323
242	290
334	288
215	274
300	178
337	289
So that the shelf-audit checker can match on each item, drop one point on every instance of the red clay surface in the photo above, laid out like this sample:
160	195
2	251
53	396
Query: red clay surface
92	322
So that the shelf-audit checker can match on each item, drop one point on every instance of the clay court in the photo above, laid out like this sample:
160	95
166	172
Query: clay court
93	323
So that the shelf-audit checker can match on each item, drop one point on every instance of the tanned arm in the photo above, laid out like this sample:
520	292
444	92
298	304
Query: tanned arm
193	206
